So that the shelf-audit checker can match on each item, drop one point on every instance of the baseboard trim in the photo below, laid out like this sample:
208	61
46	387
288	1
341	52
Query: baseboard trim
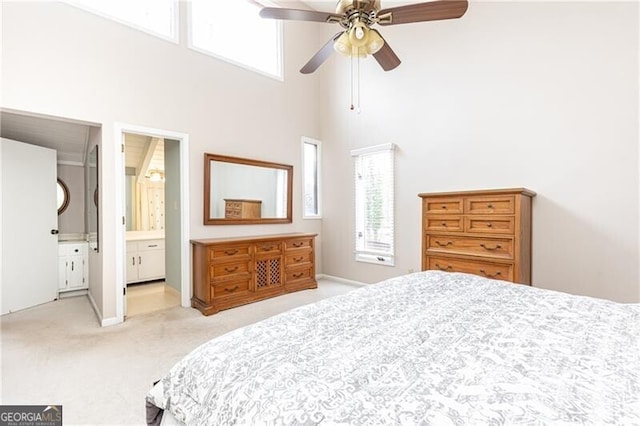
341	280
103	322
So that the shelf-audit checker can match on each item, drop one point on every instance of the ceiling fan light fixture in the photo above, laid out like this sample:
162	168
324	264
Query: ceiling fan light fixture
343	45
375	42
359	34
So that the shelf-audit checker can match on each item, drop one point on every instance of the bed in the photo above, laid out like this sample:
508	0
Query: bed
426	348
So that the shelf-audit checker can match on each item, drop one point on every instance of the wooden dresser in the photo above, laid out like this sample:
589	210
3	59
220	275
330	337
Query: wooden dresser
229	272
486	233
242	209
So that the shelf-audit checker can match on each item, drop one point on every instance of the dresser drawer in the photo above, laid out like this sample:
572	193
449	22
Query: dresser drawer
475	246
490	205
442	206
489	224
151	245
298	274
298	243
229	288
232	213
297	259
226	271
230	253
496	271
269	248
443	223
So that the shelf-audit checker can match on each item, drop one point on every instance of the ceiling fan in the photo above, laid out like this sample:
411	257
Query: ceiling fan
356	17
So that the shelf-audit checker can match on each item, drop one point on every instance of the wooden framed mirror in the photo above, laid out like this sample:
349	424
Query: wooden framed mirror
241	191
62	196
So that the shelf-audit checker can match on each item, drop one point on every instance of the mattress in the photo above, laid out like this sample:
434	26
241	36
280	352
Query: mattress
431	348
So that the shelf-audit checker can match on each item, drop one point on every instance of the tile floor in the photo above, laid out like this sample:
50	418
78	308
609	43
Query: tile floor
149	297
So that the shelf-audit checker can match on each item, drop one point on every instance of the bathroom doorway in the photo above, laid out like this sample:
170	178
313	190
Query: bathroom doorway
155	213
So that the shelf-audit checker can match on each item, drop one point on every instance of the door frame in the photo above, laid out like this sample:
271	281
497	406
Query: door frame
185	271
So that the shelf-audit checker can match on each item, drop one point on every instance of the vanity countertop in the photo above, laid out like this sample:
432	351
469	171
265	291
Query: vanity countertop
144	235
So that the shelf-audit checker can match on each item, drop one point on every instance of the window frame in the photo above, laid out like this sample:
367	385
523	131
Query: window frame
363	255
175	38
279	41
318	144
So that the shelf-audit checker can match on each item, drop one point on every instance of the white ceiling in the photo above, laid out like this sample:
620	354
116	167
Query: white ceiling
137	149
68	138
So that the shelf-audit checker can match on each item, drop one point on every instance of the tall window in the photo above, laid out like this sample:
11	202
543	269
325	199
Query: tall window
158	17
311	178
374	204
234	31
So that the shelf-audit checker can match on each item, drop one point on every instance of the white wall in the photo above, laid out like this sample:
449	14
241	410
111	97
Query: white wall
66	62
514	94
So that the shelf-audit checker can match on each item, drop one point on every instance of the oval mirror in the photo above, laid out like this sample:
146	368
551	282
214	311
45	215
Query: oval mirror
63	196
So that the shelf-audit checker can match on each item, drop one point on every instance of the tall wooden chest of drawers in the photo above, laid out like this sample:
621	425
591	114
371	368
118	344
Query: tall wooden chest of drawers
229	272
486	233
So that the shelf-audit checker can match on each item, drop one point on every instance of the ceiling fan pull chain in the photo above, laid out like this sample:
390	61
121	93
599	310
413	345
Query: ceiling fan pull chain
358	86
351	75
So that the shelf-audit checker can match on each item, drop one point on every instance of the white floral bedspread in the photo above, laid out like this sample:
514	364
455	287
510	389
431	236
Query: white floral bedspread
428	348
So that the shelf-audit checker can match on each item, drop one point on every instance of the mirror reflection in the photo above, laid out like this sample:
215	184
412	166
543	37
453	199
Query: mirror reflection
243	191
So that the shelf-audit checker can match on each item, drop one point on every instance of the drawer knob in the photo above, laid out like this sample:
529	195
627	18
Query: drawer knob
489	225
298	275
498	246
483	272
235	268
489	206
448	268
441	244
444	224
298	244
444	206
230	252
298	259
267	248
231	290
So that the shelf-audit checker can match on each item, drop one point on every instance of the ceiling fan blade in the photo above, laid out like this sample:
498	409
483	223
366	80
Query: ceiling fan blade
321	56
299	15
419	12
386	57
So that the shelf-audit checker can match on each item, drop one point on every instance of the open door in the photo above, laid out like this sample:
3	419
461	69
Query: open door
29	225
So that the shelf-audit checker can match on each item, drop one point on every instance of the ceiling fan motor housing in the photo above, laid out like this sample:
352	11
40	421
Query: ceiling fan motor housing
347	6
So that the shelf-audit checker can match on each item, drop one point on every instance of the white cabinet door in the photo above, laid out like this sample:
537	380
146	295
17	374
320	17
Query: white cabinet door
132	262
151	264
62	273
75	272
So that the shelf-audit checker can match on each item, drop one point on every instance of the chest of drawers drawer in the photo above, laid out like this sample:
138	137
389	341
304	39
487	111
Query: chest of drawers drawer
232	253
443	223
231	288
443	206
229	271
269	248
476	246
490	224
299	243
300	258
490	205
496	271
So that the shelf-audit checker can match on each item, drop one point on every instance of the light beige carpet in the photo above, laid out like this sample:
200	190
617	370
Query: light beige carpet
57	353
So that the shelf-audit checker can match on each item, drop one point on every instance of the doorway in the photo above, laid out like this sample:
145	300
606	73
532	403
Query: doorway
161	222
